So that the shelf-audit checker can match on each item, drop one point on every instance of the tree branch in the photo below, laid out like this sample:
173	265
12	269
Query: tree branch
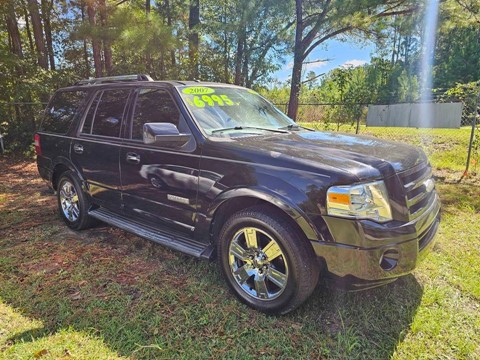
469	9
325	38
309	19
312	79
316	61
398	12
307	40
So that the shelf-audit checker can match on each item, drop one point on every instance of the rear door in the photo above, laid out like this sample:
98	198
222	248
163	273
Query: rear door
159	183
97	147
62	111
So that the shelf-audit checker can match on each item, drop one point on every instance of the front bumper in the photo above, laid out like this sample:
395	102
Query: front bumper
366	254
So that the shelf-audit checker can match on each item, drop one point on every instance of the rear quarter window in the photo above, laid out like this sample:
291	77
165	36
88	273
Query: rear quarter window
61	111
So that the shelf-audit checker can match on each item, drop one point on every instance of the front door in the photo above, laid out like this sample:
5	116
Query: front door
159	185
96	149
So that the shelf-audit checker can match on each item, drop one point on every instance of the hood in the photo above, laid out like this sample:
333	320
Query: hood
362	156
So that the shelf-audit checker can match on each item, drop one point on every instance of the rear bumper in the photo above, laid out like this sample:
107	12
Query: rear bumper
380	252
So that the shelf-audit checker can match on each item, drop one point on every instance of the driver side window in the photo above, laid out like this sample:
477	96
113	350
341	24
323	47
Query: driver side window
155	106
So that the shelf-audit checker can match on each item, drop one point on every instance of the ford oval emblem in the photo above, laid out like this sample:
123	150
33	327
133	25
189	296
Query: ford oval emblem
429	185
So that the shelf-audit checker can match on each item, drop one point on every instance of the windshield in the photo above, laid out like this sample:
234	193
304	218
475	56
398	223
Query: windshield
222	110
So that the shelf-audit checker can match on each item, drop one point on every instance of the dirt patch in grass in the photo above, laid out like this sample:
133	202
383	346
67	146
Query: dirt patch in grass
448	176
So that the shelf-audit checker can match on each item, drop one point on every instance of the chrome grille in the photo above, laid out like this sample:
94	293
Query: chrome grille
416	183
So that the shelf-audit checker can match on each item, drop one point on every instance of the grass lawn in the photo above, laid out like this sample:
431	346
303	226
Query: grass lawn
446	148
105	294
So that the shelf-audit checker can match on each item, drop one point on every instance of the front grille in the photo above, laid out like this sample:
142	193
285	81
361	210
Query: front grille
417	197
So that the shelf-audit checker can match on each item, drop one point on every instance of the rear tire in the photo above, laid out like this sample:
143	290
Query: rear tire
73	203
267	263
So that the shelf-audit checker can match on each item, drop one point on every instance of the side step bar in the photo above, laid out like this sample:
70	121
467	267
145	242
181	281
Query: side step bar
170	239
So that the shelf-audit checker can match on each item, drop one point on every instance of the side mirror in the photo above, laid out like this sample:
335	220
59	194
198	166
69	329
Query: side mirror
165	134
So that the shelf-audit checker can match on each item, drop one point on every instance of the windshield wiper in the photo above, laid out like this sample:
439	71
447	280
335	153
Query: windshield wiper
291	127
248	127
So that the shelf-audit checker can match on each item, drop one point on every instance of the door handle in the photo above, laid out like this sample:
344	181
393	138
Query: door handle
78	149
133	158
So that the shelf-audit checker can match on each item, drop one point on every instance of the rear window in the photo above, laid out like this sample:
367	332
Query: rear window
61	111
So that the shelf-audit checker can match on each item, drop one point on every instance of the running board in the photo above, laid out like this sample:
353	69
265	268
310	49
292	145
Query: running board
170	239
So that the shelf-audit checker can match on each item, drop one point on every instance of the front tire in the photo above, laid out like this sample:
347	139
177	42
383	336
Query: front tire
73	204
267	263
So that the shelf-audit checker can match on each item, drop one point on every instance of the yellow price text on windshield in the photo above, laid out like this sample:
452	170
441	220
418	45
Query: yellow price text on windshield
210	100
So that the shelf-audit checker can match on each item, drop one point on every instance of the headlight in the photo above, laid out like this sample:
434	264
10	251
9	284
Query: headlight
365	201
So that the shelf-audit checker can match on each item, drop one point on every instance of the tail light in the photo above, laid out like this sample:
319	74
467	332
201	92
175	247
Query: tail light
36	141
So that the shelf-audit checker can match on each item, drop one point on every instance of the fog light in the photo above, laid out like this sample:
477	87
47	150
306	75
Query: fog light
389	259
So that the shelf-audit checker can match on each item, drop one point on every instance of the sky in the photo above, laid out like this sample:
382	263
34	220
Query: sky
337	54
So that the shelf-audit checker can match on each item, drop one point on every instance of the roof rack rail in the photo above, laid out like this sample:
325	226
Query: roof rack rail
112	79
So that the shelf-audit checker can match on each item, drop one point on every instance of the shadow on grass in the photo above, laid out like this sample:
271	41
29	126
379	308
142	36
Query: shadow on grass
28	335
180	308
364	324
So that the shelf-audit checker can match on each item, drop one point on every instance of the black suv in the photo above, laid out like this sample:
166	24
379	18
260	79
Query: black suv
214	169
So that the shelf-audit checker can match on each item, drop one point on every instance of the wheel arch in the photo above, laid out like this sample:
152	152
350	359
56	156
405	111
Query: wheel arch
60	166
238	199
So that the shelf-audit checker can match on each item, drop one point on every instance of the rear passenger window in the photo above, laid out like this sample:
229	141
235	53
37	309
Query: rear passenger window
153	106
61	111
106	112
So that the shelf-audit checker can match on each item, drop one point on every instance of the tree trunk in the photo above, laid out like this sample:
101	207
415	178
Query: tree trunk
295	88
107	53
29	32
13	32
10	44
173	60
148	58
38	34
255	66
245	65
407	51
226	57
46	10
97	57
149	64
226	60
85	47
107	46
163	72
399	47
394	46
193	21
297	63
240	54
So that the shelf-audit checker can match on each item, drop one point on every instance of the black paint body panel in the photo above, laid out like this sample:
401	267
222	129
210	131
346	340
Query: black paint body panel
182	189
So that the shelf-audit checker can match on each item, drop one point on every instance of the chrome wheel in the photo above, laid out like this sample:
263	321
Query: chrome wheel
69	201
258	264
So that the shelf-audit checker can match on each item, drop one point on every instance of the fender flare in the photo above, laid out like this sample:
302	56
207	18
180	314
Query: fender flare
275	199
61	160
